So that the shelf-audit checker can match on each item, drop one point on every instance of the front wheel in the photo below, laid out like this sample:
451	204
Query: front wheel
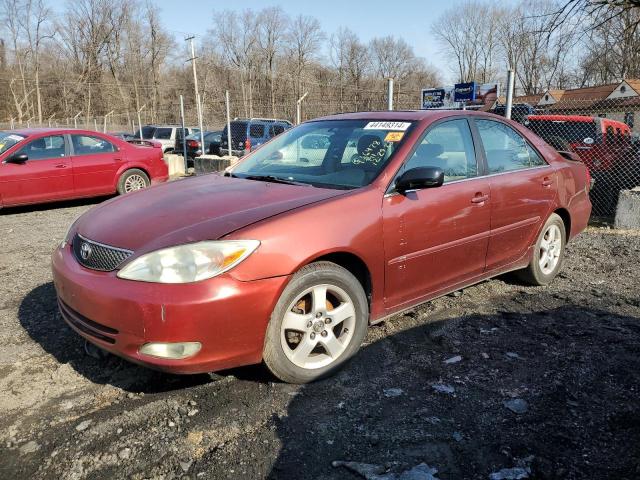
319	322
548	253
132	180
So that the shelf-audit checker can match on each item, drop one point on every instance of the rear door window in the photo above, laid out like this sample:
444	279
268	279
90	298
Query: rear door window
505	149
256	130
88	145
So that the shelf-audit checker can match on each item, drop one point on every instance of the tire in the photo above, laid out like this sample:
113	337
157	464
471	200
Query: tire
551	242
315	326
131	180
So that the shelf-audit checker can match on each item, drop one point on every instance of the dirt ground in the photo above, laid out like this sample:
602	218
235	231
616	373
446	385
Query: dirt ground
547	382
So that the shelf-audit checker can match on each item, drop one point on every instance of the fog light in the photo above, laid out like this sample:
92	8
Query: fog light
175	351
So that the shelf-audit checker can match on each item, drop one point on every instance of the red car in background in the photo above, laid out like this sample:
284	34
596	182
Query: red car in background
44	165
601	143
330	226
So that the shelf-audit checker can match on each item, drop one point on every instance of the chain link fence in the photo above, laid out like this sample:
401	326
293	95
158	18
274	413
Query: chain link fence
602	133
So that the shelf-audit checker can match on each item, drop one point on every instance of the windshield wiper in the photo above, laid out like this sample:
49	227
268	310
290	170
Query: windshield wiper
273	179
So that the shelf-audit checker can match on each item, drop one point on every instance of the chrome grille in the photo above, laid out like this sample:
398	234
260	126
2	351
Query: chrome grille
97	256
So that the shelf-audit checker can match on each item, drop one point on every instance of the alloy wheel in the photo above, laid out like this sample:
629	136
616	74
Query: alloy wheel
318	326
550	249
134	182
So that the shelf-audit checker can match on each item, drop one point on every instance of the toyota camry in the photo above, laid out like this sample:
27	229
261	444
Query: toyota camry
331	226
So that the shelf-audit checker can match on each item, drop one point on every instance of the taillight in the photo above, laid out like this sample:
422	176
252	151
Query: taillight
193	144
588	179
247	144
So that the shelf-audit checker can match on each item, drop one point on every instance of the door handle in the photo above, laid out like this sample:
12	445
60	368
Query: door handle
61	165
547	182
479	198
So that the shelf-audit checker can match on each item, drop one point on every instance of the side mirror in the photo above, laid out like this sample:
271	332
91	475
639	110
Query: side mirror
18	158
418	178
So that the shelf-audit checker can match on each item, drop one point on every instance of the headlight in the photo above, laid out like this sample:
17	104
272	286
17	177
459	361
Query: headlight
189	263
67	235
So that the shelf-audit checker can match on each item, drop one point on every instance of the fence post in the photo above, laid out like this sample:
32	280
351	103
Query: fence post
389	93
140	119
184	137
510	85
298	108
229	137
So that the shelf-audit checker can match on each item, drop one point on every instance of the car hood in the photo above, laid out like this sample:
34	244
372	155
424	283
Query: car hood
202	208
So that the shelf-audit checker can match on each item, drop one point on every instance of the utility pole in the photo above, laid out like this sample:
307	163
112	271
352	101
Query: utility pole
195	85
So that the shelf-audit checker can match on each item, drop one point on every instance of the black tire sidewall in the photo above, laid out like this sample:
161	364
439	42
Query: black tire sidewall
314	274
126	174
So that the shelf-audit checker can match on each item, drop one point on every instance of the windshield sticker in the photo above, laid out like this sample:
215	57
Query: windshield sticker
16	138
394	137
401	126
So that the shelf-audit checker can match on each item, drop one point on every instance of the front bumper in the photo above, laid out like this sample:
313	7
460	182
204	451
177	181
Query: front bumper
228	317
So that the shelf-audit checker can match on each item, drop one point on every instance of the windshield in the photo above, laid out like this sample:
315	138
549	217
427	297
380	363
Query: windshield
8	140
555	131
330	153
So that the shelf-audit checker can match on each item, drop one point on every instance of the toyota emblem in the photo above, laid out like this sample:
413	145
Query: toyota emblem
85	251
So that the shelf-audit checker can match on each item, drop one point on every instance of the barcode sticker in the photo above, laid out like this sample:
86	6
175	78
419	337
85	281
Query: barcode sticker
397	126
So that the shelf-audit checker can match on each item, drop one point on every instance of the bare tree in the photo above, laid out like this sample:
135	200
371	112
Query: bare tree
304	38
271	27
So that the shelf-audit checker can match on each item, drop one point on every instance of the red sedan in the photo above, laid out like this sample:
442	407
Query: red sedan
333	225
43	165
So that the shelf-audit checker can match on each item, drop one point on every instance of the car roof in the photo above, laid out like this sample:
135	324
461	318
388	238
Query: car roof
405	115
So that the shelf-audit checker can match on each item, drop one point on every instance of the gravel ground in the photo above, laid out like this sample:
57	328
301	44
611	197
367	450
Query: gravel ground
543	380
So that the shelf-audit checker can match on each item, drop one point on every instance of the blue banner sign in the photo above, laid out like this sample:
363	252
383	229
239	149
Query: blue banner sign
464	92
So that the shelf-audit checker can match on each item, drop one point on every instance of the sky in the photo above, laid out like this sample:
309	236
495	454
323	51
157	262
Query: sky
409	19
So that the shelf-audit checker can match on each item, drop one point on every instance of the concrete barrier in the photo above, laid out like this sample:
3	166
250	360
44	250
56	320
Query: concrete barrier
628	210
212	163
175	164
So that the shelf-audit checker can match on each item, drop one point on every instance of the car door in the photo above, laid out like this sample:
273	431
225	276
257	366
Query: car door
523	190
45	176
96	162
436	238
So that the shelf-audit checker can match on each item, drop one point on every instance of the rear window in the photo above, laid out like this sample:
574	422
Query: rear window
163	133
559	132
147	132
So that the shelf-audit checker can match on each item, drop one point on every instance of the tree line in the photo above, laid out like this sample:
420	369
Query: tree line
91	58
550	44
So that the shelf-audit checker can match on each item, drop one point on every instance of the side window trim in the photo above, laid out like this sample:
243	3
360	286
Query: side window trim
479	166
487	173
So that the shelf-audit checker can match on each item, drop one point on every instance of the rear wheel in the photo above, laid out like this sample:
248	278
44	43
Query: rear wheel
318	323
132	180
548	253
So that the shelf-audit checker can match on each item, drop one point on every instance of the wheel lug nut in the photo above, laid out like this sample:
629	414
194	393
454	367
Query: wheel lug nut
324	333
318	315
309	324
327	321
312	336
